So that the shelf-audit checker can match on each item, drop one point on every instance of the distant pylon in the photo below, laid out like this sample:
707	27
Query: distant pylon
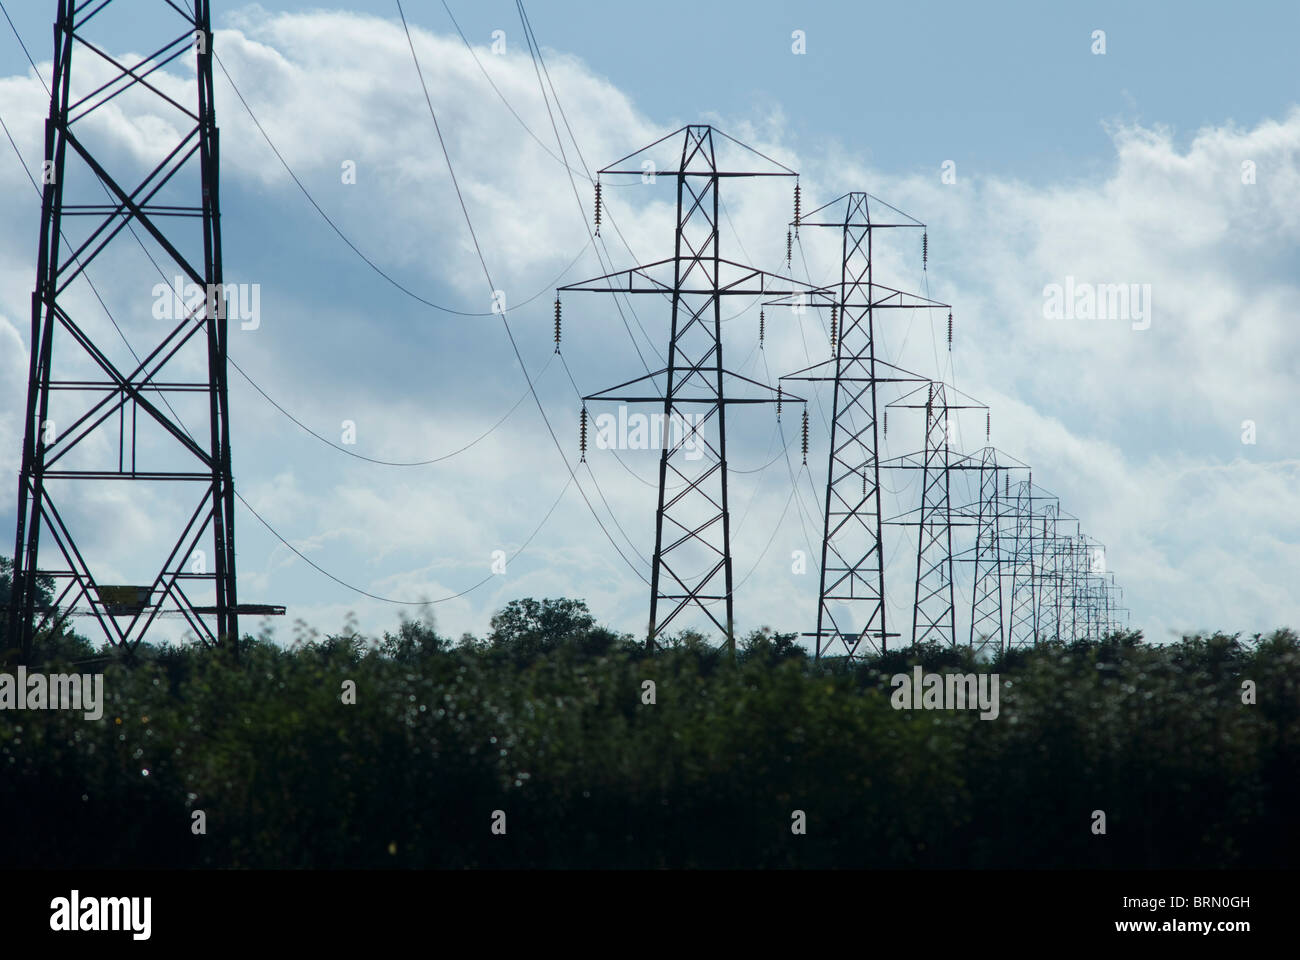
692	520
852	574
1093	587
934	611
1049	595
1022	627
986	590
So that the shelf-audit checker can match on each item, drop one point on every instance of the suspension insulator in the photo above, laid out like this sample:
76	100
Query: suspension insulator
789	248
864	483
557	324
805	436
834	320
762	323
988	425
949	329
886	421
1008	479
796	206
582	434
598	208
925	249
778	403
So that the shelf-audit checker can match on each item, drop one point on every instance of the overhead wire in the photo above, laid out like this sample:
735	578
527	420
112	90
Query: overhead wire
232	362
352	246
492	286
180	422
540	68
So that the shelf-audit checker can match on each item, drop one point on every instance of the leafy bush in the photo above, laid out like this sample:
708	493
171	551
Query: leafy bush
545	720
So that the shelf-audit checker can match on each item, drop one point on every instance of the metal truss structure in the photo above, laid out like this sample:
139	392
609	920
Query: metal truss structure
692	563
851	608
90	201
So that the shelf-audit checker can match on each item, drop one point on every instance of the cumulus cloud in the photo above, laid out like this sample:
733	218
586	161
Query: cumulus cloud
1138	430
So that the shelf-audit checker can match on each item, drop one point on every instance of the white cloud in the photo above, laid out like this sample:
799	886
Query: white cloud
1137	430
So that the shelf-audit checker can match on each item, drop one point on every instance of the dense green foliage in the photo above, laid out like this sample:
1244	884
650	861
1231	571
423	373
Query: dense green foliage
544	719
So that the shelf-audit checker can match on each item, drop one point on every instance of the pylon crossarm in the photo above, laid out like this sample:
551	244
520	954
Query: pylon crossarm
765	282
855	203
708	399
826	297
694	144
916	461
906	376
900	300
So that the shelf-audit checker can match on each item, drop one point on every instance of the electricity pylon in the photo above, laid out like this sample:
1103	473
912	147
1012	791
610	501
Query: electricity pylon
851	605
1026	566
986	620
934	611
78	394
1049	593
1092	586
692	521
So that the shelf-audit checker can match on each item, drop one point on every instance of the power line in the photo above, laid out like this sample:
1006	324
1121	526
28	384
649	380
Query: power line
405	603
352	246
488	276
253	383
391	463
495	89
242	372
540	68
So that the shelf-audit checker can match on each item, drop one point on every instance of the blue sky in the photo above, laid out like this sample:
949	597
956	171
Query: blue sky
1115	168
1009	87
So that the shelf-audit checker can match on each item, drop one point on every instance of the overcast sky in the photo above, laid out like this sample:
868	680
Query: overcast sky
1128	167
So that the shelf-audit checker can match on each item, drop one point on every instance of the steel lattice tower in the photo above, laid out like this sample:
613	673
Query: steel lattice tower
692	523
176	206
1061	549
1022	627
852	574
986	589
1114	594
1049	596
1067	627
1093	589
1078	582
934	611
